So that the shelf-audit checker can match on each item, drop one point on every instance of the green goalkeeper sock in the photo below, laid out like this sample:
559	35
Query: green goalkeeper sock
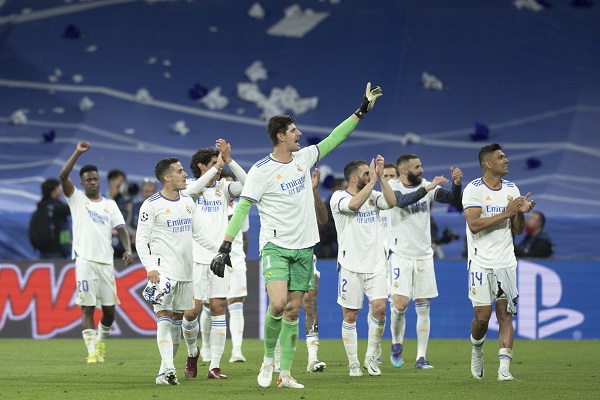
288	340
272	328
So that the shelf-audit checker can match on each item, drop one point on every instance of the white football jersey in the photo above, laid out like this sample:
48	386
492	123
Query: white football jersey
493	247
237	247
284	197
410	227
212	204
360	236
166	229
93	222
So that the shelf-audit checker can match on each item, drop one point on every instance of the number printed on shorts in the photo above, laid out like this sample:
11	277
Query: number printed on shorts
396	273
167	287
476	276
82	286
344	283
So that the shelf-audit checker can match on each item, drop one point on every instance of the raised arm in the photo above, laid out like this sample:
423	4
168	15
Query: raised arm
320	208
454	195
225	149
343	130
65	181
388	193
359	199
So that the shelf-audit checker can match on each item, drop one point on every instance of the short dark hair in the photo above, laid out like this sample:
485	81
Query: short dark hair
202	156
278	124
487	150
351	167
114	174
48	186
405	158
391	165
87	168
225	173
163	166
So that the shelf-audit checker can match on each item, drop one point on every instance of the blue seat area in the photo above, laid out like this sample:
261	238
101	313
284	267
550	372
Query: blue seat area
531	77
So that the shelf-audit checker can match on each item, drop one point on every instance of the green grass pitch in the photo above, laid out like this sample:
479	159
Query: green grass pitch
56	369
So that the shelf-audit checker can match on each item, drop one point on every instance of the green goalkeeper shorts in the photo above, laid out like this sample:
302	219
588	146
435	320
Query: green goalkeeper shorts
296	267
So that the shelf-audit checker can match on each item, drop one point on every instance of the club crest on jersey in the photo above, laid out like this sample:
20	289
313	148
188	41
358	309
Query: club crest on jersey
509	197
218	193
188	209
371	202
298	168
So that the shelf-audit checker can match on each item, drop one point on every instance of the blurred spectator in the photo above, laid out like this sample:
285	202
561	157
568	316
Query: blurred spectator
390	171
147	189
118	191
535	243
328	245
49	230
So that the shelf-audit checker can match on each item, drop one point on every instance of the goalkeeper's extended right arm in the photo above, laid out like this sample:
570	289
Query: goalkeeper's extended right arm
343	130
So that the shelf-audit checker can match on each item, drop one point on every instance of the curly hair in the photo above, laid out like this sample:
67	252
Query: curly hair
203	156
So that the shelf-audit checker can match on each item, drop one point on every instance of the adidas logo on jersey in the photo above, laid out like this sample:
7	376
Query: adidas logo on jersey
279	177
168	211
488	198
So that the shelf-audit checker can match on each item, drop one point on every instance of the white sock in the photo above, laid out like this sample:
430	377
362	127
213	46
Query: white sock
89	338
236	324
505	355
190	334
176	336
165	343
478	345
218	334
376	329
349	336
205	325
277	354
423	325
312	344
397	325
103	332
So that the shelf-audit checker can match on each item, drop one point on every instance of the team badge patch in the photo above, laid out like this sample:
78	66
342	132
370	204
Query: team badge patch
298	168
144	217
473	291
218	193
188	209
371	202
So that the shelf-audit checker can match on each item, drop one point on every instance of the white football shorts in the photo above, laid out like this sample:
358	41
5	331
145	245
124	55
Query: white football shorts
353	286
96	285
414	279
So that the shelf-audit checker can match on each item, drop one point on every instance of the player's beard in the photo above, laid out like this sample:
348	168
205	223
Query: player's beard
414	179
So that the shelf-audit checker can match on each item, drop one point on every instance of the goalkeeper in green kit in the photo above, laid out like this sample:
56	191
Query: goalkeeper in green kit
280	185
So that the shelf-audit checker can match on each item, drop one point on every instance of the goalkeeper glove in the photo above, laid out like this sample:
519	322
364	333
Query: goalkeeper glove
367	104
222	259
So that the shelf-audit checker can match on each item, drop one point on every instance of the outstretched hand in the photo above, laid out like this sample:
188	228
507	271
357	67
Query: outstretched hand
224	149
456	174
371	94
379	163
315	178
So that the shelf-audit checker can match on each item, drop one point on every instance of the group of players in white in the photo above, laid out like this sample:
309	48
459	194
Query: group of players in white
392	263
